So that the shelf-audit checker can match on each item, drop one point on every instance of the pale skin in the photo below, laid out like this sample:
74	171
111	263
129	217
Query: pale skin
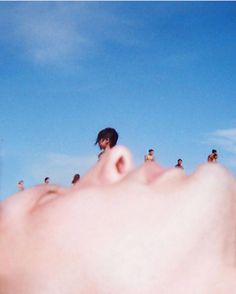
122	230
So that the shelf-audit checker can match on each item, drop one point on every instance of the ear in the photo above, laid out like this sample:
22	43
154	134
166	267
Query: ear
115	164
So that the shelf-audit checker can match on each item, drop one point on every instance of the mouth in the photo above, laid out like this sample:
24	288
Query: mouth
146	173
153	171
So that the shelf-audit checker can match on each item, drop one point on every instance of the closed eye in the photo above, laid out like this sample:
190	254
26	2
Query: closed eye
50	194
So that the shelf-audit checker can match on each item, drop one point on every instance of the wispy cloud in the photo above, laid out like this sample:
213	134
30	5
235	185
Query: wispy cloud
52	33
59	167
226	138
49	32
229	134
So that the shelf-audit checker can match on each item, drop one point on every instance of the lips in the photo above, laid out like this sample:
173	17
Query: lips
153	171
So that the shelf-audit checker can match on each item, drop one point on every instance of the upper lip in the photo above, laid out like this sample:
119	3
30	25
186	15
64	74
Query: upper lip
153	171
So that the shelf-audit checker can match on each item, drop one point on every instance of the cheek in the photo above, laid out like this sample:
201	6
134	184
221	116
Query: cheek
114	246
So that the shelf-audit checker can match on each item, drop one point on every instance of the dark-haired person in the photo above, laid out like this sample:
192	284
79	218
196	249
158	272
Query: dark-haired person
150	156
213	156
179	163
76	179
20	185
47	180
106	139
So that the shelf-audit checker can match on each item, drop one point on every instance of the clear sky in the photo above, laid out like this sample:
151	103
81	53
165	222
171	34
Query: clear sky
162	73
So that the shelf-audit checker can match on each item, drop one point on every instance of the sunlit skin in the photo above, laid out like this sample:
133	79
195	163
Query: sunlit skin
150	156
213	156
179	164
104	144
20	185
122	230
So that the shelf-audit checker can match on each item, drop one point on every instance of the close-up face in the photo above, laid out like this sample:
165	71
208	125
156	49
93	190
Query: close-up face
119	230
81	77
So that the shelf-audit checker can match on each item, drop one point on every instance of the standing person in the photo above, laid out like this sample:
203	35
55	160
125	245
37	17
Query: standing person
213	156
150	156
47	180
106	139
20	185
76	179
179	163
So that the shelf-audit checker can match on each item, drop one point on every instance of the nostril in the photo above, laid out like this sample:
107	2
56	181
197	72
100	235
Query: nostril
120	165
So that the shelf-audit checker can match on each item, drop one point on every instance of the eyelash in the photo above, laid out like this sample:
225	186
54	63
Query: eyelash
48	197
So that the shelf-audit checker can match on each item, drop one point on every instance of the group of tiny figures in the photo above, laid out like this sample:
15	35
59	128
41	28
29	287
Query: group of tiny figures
211	157
46	181
107	139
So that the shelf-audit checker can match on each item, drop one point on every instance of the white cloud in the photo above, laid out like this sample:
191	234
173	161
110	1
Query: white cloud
59	167
229	134
48	34
225	138
56	32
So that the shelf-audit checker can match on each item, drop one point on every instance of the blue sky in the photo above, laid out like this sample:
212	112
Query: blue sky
161	73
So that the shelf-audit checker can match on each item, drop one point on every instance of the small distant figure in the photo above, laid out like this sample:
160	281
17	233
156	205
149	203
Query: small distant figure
76	179
106	139
150	156
20	185
179	163
213	156
47	180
